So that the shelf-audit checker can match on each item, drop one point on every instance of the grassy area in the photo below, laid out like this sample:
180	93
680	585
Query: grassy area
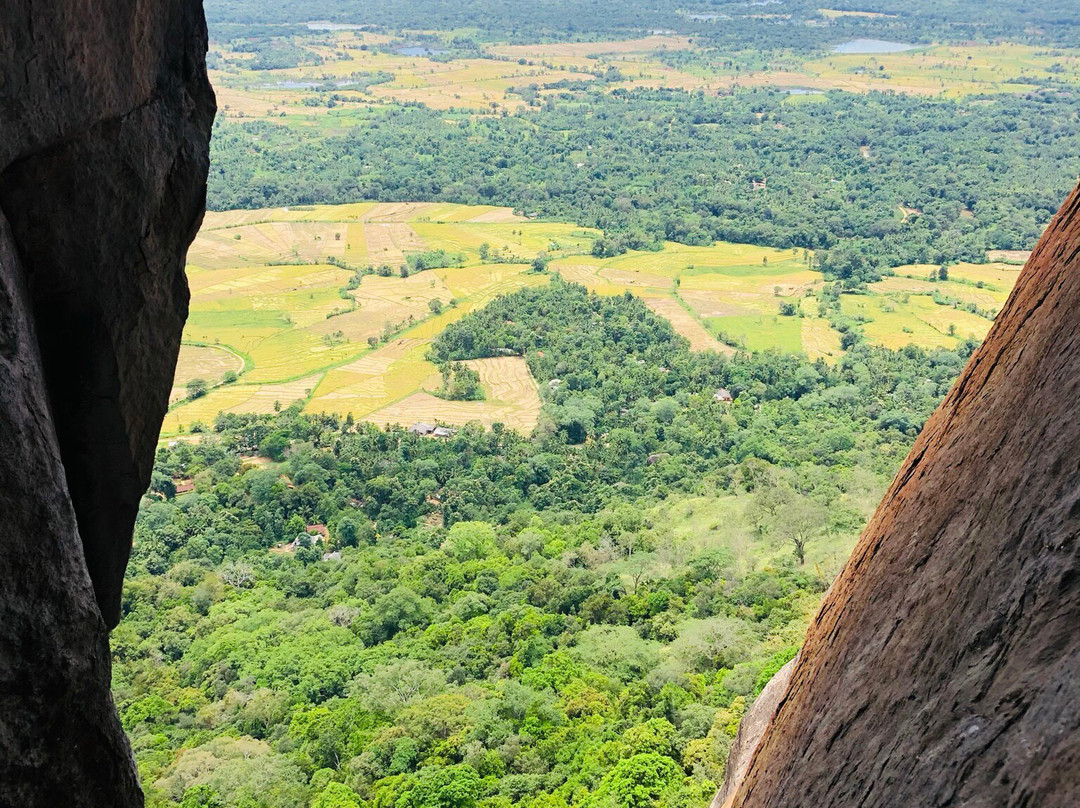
510	77
760	332
896	321
947	70
268	305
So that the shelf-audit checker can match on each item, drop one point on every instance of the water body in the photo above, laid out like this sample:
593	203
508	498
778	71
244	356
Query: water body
308	85
335	26
802	91
418	50
873	46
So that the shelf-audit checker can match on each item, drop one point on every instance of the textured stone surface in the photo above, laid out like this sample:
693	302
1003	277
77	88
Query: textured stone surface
751	731
944	666
105	115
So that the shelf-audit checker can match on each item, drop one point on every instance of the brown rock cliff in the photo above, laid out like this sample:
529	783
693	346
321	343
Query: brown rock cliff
751	731
105	115
944	666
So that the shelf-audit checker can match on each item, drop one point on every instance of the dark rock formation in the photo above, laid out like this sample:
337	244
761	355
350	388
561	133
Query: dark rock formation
105	115
751	731
944	666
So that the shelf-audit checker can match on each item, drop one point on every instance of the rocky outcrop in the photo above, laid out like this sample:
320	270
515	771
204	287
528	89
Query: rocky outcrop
105	115
942	667
751	731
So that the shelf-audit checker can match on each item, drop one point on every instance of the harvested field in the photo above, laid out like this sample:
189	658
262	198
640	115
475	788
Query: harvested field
1010	256
388	242
254	398
205	362
512	399
686	324
819	340
270	296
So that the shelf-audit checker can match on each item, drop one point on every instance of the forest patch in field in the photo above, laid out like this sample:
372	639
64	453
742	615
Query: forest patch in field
318	305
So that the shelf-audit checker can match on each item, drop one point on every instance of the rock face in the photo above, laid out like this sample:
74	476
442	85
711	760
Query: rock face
105	115
944	666
751	731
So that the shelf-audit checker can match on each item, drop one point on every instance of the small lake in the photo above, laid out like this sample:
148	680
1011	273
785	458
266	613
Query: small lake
308	85
873	46
802	91
418	50
335	26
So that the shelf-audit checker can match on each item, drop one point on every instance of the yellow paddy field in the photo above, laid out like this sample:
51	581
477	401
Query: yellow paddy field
270	302
491	81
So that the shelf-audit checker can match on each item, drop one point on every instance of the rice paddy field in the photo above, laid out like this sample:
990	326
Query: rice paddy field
491	81
272	303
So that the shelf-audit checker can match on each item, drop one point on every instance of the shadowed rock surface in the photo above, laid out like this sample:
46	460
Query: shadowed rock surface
942	669
105	115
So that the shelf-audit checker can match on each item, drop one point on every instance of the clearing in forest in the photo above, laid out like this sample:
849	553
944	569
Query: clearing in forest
334	96
686	323
277	298
511	398
207	362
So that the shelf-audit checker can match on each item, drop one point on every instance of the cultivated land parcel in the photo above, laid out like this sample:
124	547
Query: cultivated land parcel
498	79
272	304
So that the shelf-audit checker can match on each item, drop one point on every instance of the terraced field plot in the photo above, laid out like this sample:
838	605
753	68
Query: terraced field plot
265	300
209	363
946	70
271	306
895	322
476	84
511	397
494	80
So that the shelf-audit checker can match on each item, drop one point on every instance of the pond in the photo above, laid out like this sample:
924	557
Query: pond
873	46
309	85
335	26
418	50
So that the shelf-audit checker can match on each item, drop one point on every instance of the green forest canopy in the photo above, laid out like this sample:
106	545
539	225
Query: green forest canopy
573	618
975	175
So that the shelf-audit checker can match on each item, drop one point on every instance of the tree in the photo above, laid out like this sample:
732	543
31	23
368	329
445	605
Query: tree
162	484
435	305
395	685
636	782
274	446
201	797
470	540
336	795
799	522
450	787
354	531
460	383
238	574
397	610
196	388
